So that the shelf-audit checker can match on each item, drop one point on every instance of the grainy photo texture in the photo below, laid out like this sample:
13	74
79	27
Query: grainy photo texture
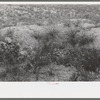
49	42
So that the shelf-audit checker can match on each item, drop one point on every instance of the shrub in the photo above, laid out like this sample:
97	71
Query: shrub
13	60
84	39
78	37
85	58
44	55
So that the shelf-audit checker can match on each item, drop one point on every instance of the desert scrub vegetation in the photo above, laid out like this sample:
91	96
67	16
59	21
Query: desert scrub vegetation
59	56
72	52
58	45
37	14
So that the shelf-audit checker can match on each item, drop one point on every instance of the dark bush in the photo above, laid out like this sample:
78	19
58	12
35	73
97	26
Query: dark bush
85	58
13	60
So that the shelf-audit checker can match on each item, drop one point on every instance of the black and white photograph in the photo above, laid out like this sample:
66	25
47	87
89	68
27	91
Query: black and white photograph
49	42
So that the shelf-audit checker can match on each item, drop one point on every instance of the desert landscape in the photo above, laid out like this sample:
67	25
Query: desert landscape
58	42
